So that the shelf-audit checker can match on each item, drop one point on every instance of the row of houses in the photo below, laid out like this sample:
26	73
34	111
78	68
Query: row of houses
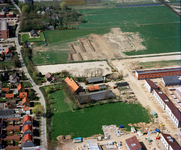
10	130
97	92
157	73
165	103
9	14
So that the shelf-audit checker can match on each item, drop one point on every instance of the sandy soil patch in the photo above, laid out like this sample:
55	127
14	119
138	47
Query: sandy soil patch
86	69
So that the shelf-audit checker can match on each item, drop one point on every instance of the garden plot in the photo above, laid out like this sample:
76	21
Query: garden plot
86	69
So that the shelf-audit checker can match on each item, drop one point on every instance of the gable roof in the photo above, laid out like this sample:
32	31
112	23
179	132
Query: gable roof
95	79
151	84
27	127
13	128
27	118
171	80
9	95
7	51
19	86
5	89
14	137
23	94
27	137
95	96
25	99
25	108
161	95
32	32
93	88
48	75
12	147
6	113
72	84
171	141
133	143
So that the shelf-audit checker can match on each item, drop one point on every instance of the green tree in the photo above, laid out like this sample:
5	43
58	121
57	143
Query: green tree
38	109
63	6
81	19
48	90
26	9
35	74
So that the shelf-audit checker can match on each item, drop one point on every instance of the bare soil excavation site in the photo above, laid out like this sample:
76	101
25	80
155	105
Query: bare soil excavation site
111	45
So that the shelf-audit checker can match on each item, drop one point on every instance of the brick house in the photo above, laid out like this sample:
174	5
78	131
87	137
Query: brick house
4	30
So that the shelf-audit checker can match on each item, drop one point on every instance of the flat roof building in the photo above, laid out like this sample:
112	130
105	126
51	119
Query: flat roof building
4	30
170	81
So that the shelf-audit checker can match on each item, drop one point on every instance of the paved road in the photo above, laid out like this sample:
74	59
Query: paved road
35	87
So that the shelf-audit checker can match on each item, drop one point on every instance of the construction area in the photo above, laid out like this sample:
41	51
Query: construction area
108	46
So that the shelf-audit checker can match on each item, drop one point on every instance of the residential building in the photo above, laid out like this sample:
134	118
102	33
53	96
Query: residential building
33	33
7	113
120	84
49	77
8	54
12	138
133	143
12	148
9	96
14	79
150	85
168	106
23	94
95	80
27	129
27	120
160	97
178	91
27	141
4	30
5	90
20	88
10	14
13	128
170	81
169	142
157	73
2	14
73	85
94	96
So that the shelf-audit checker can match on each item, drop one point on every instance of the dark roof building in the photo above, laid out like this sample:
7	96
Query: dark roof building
119	84
169	142
94	80
150	85
33	33
95	96
170	80
7	113
133	144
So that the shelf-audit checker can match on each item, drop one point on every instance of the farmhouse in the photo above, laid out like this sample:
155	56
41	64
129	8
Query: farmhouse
133	144
95	96
94	80
169	142
73	85
4	29
157	73
170	81
150	85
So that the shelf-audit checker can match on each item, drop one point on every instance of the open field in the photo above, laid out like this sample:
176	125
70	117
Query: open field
86	69
25	37
74	2
87	122
157	26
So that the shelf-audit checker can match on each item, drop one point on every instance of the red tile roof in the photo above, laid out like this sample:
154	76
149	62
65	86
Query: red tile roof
72	84
14	137
9	96
5	89
13	119
19	87
25	108
12	147
2	53
27	127
27	118
133	143
27	137
23	94
25	99
7	50
93	88
171	141
13	128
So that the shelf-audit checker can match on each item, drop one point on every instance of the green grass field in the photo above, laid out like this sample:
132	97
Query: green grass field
87	122
158	26
160	63
25	37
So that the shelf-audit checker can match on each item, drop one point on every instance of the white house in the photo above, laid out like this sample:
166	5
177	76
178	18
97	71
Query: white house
168	142
150	85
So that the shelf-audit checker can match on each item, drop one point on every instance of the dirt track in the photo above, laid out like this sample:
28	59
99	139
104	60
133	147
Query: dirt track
86	69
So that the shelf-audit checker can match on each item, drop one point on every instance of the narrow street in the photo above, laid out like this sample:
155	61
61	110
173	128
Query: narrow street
35	87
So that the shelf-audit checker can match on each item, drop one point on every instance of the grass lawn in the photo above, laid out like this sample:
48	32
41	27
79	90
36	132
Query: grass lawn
88	121
8	64
160	63
25	37
27	84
